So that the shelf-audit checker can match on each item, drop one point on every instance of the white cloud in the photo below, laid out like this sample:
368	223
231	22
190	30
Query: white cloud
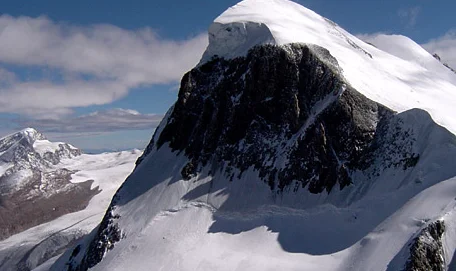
370	37
111	120
445	47
409	15
116	60
46	99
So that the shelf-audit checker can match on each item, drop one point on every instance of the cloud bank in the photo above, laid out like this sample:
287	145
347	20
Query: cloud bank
98	64
111	120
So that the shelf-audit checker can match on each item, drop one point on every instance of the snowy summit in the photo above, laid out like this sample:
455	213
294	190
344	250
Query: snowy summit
397	77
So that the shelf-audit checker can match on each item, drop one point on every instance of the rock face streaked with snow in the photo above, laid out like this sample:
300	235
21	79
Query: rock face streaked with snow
32	189
293	145
51	196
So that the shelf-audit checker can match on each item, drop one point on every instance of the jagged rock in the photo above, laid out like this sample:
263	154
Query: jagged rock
436	56
426	251
279	100
107	234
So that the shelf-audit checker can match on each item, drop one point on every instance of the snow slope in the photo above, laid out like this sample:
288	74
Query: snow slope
271	238
406	49
212	222
33	246
400	83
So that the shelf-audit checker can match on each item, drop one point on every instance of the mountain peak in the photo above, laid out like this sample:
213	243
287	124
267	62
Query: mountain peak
20	145
244	25
24	137
385	78
32	135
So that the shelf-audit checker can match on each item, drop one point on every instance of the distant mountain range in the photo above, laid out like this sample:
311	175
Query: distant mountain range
41	181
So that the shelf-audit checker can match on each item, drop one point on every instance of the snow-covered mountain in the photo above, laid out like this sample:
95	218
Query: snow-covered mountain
29	182
51	195
293	145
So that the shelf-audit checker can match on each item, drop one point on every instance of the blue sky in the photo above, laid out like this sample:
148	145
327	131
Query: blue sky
100	74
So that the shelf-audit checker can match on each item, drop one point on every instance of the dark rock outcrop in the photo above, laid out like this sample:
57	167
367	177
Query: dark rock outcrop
436	56
426	251
108	234
287	112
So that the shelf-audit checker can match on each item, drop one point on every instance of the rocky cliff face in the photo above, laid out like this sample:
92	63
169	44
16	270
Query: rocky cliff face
285	111
426	250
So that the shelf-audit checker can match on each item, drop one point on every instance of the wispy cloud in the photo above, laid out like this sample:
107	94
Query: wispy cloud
100	63
370	37
409	15
445	47
111	120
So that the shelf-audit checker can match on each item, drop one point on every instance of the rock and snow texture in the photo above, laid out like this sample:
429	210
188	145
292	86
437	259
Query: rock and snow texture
33	189
42	180
31	248
293	145
385	78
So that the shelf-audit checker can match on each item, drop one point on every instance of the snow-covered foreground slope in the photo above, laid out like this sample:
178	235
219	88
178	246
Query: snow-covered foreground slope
280	155
191	237
29	249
